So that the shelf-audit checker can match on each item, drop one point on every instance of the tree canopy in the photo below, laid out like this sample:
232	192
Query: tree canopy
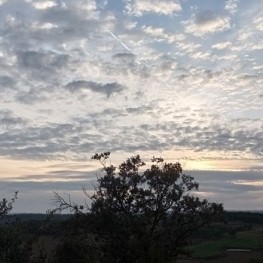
142	213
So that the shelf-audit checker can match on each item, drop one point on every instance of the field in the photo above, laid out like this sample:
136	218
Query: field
216	251
234	257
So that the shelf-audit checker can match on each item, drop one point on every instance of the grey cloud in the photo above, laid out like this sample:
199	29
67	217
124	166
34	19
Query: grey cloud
73	174
41	61
43	186
30	97
256	167
87	135
60	141
35	37
207	22
71	12
224	187
38	70
219	187
6	82
70	175
139	110
127	58
108	88
68	15
34	143
57	141
8	120
205	17
102	117
200	138
225	139
225	176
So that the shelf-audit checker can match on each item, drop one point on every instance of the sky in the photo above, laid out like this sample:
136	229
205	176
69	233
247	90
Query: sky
181	79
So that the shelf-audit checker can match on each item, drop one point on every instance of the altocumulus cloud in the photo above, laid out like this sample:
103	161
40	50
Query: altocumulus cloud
108	88
207	22
79	77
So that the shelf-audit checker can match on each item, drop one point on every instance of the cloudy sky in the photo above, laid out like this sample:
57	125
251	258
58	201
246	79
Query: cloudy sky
181	79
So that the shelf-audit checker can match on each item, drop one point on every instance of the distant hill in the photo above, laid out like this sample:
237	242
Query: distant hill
38	217
244	217
247	217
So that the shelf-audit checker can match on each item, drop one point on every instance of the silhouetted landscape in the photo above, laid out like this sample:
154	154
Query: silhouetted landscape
240	230
136	214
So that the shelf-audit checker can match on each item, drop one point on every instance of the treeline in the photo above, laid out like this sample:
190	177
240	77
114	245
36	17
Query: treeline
244	217
232	223
35	221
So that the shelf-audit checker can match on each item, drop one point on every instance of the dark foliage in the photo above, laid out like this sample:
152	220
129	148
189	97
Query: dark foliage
14	247
141	215
6	206
245	217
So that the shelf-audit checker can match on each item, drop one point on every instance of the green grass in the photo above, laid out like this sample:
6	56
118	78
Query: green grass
247	240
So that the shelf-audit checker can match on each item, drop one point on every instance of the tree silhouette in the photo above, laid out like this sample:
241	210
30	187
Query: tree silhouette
14	246
142	215
6	206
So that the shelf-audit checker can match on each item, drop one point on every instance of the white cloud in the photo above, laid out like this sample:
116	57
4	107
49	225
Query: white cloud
222	45
11	21
257	46
165	7
259	23
159	34
175	38
201	55
43	4
232	6
258	67
188	47
206	22
90	5
131	25
245	34
44	26
153	31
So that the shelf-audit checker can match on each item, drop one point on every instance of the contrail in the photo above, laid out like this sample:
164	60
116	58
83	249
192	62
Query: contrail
119	40
143	62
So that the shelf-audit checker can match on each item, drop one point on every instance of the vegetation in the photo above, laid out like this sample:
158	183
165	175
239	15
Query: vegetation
138	213
14	247
141	216
6	206
244	240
